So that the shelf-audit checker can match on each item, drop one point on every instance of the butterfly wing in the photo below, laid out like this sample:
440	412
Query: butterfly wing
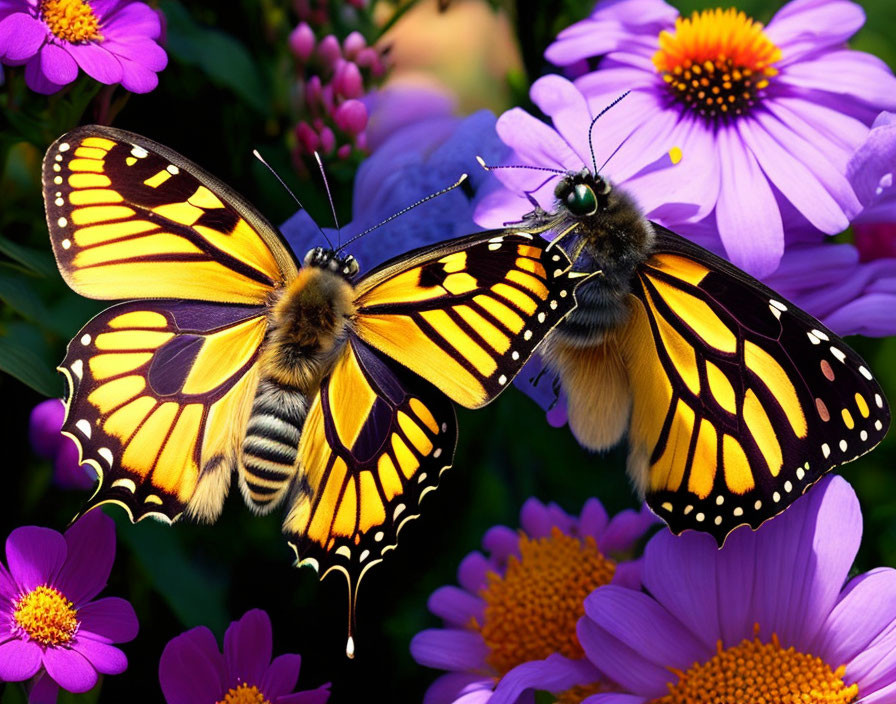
158	392
740	400
466	314
129	218
375	441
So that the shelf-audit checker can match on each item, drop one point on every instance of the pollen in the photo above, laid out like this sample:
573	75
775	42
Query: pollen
532	610
46	616
754	671
717	62
73	21
244	694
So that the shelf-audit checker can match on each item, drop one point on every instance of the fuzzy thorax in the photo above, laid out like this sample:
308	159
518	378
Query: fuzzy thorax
306	328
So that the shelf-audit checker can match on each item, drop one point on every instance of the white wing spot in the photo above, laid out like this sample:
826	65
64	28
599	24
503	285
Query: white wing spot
64	147
666	506
444	427
527	335
757	505
62	222
78	368
494	246
57	168
139	152
66	244
738	512
776	497
364	555
514	355
555	258
800	473
502	380
421	478
788	487
878	425
172	169
688	509
59	157
720	500
57	180
775	312
564	294
843	446
878	400
84	427
820	335
553	305
378	536
85	339
825	450
541	317
59	202
838	354
864	435
865	373
437	453
497	240
814	340
699	518
125	483
558	272
718	520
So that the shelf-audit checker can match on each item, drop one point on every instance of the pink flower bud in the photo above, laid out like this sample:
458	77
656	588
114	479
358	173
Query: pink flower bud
301	41
352	44
328	50
347	81
313	92
344	151
351	117
361	141
327	140
367	57
307	137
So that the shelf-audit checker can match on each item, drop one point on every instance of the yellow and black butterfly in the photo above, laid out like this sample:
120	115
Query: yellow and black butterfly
734	401
323	391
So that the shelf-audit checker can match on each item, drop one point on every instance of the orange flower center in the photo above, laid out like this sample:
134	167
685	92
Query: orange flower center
71	20
244	694
532	610
46	616
761	672
579	693
717	62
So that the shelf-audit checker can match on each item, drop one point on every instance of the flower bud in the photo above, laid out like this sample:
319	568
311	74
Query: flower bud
347	81
327	140
301	41
307	138
351	117
352	44
328	50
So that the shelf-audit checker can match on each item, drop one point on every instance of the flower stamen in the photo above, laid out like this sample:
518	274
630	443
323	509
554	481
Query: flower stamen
72	21
753	671
533	609
717	62
46	616
244	694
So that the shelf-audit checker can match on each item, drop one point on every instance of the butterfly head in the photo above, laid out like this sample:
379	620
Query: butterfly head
330	260
583	194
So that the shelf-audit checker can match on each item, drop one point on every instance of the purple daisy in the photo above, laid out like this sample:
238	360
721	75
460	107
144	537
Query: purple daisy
511	625
770	617
112	41
47	440
50	622
766	119
193	671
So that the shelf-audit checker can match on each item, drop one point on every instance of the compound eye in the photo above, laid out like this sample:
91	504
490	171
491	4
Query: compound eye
581	200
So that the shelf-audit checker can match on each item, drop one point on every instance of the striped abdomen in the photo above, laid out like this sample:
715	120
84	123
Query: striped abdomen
271	446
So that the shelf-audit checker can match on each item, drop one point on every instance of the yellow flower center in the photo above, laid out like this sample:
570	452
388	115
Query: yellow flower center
532	610
717	62
579	693
244	694
46	616
761	672
71	20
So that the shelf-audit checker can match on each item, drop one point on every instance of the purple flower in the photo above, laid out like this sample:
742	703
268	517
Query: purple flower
510	626
112	41
766	119
193	671
47	440
419	146
49	620
770	614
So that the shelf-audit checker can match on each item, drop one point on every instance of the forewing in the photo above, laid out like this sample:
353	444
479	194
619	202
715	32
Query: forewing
741	401
374	443
158	392
129	218
467	313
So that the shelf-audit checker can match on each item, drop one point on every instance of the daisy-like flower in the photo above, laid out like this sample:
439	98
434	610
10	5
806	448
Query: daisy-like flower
769	618
766	118
112	41
50	621
193	671
511	625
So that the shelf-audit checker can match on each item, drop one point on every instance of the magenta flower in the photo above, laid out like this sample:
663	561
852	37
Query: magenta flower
193	671
49	619
47	440
112	41
511	625
766	119
770	617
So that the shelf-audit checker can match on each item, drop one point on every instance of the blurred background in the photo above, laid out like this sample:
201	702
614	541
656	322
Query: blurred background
232	84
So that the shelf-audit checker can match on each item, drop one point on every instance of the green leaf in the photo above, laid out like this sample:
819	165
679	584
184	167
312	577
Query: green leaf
18	289
29	366
220	56
38	261
195	594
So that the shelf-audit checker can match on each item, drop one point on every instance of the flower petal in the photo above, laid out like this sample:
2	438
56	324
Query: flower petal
456	606
501	542
554	674
748	218
449	649
91	552
309	696
19	660
106	658
281	676
21	35
191	670
472	571
802	26
846	73
136	77
110	619
96	62
450	688
69	669
43	690
593	519
57	65
134	19
614	698
625	529
248	646
36	80
35	556
145	52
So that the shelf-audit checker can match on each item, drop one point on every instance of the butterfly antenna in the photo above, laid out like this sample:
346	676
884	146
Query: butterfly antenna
492	167
615	151
289	190
591	129
463	177
323	174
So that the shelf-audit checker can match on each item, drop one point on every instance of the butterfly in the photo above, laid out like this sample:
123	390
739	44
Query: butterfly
733	400
323	391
